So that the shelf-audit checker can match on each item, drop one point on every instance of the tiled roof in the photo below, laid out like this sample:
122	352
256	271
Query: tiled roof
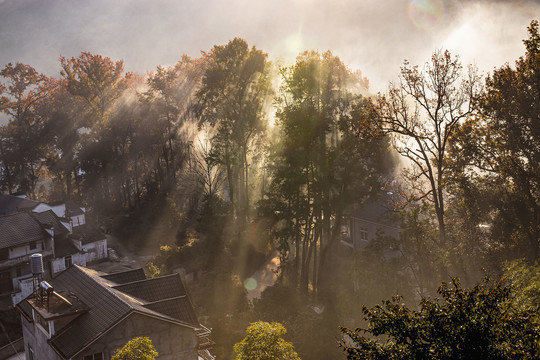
49	218
155	289
10	204
179	308
108	305
377	209
20	228
126	276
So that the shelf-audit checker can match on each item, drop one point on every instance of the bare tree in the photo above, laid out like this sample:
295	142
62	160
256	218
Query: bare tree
422	113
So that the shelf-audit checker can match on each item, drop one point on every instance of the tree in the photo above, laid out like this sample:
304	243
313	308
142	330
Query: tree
97	83
498	151
139	348
422	113
319	166
234	90
525	280
23	141
480	323
264	341
167	105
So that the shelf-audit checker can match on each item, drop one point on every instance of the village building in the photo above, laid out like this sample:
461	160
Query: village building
83	314
57	231
375	217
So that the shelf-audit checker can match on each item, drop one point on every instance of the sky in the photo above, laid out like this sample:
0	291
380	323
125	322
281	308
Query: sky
373	36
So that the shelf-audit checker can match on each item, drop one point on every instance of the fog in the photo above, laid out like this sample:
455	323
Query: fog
370	35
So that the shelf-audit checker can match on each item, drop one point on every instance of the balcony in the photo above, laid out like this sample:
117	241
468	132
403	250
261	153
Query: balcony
19	260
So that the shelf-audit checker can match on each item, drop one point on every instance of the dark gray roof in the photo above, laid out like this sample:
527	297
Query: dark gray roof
10	204
106	307
377	209
20	228
155	289
126	276
178	308
49	218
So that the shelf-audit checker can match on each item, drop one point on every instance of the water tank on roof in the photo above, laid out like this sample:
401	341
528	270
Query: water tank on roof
36	264
47	287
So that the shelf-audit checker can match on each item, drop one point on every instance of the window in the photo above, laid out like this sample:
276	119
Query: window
18	271
363	234
96	356
67	261
4	254
33	245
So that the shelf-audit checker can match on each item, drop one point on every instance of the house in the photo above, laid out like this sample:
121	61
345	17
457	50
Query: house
91	242
68	210
84	314
10	204
25	233
374	217
21	235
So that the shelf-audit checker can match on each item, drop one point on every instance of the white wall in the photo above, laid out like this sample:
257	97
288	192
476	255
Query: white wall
25	250
78	220
96	250
59	264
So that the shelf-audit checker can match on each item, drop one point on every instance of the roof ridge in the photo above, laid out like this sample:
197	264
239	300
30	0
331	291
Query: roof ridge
166	299
123	272
149	279
106	287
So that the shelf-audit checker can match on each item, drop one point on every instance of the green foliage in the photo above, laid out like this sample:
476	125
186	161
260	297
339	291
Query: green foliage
381	270
232	99
264	342
497	153
153	270
319	166
23	140
525	280
139	348
480	323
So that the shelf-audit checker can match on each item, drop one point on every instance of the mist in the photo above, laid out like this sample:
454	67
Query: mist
372	36
272	177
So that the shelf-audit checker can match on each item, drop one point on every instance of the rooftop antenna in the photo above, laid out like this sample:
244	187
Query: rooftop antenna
36	265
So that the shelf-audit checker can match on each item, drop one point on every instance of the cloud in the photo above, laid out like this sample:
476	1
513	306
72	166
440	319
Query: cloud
374	36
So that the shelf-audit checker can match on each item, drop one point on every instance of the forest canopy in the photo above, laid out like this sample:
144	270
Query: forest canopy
222	161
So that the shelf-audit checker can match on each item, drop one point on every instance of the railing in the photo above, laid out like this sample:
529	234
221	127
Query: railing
205	355
203	337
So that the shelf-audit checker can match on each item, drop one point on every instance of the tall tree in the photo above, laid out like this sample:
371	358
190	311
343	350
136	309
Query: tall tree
498	151
422	113
23	140
168	103
97	82
232	98
319	167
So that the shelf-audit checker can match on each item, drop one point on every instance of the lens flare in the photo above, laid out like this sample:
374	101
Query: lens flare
426	14
250	284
